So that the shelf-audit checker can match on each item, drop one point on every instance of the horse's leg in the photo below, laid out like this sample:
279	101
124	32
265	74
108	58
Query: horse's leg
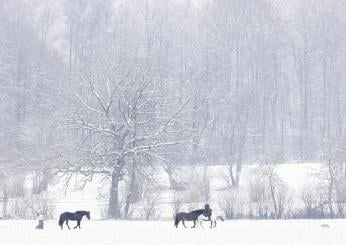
184	223
178	223
67	224
211	223
194	224
76	225
201	224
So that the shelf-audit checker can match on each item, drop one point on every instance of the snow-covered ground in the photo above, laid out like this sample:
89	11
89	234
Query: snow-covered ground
237	232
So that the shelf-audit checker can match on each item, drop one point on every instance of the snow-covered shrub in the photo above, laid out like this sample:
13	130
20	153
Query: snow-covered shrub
311	199
268	194
340	198
177	202
41	180
206	185
104	212
12	187
232	204
17	186
259	199
150	203
331	188
198	187
20	208
281	199
29	207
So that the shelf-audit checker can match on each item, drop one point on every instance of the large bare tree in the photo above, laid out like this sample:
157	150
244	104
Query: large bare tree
125	121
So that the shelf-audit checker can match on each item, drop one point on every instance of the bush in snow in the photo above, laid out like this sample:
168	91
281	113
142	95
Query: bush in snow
232	204
198	187
28	207
313	201
259	199
150	204
268	193
177	202
12	187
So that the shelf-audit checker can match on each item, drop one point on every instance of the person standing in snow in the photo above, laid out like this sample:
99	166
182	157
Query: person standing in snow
208	211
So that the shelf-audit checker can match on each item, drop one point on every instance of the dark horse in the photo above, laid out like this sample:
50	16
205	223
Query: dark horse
192	216
78	215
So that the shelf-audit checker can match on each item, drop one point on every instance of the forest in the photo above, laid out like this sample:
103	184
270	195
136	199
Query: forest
121	88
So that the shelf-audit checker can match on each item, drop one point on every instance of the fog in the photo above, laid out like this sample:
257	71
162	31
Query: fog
120	88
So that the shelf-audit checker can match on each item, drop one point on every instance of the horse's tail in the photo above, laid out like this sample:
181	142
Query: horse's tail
61	220
176	221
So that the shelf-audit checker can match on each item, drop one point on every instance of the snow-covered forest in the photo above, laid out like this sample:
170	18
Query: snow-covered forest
117	93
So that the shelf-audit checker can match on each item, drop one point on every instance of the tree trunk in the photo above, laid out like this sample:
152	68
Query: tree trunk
130	194
113	206
172	183
237	173
231	175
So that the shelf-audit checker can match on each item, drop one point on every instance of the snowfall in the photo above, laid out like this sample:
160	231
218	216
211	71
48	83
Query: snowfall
237	232
98	231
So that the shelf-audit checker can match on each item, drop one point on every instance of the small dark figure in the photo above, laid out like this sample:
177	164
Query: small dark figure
40	225
40	221
78	215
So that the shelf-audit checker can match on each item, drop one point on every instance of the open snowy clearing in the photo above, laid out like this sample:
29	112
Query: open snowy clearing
237	232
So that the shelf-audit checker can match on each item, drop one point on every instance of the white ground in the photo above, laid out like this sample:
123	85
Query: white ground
238	232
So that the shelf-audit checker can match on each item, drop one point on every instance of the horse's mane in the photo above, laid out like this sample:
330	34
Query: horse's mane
198	211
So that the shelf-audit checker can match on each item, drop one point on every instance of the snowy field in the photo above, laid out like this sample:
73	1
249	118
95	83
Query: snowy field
237	232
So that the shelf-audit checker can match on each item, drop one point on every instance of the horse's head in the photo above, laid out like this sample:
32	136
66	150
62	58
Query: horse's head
88	214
